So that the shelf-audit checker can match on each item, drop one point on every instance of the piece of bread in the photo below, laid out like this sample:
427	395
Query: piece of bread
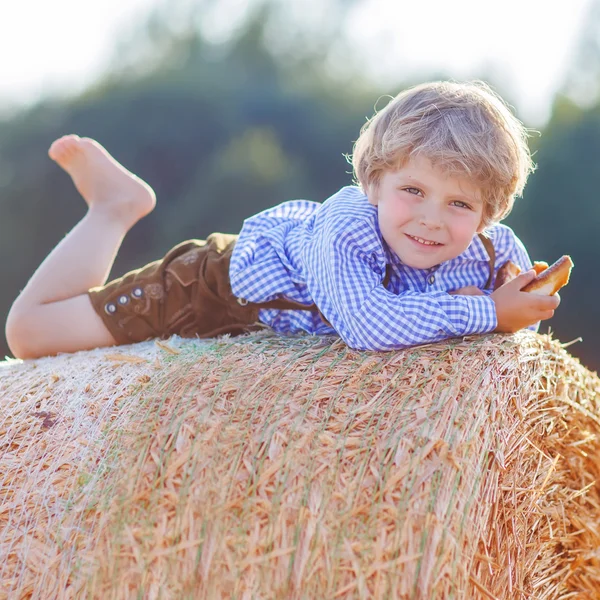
550	280
508	271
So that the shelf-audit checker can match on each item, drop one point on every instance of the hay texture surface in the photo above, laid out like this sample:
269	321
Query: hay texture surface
267	467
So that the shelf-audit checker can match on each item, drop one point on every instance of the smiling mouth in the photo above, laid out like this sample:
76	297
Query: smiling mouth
423	241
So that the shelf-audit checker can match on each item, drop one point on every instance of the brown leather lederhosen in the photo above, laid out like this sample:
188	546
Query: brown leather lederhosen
188	293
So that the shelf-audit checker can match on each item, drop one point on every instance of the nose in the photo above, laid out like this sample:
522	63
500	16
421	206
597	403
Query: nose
430	217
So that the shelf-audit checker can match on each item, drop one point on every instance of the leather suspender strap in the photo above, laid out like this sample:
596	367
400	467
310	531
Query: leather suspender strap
489	248
285	304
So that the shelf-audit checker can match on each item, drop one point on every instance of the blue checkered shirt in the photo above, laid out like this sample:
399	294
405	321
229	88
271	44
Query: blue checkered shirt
333	254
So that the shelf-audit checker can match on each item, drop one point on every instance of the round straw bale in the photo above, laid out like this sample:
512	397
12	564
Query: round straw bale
269	467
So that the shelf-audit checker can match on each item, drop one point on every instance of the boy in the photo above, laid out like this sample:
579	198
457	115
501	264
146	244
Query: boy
401	259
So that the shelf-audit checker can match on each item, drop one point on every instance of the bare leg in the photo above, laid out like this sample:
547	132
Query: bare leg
53	312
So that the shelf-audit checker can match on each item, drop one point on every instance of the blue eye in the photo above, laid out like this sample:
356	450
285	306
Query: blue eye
461	204
412	190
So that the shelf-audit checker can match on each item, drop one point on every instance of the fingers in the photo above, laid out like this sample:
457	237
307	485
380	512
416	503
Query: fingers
473	290
539	307
516	309
531	308
544	306
520	281
540	302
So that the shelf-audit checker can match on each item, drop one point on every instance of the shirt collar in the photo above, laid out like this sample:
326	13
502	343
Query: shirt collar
475	251
390	256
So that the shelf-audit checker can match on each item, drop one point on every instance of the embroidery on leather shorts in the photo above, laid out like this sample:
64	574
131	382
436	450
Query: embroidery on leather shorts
154	291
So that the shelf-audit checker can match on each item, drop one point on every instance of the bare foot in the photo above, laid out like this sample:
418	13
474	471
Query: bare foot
104	183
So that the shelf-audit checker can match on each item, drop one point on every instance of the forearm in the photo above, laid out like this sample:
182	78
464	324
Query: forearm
389	322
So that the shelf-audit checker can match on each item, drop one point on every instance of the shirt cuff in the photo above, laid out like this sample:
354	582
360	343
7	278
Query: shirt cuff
482	315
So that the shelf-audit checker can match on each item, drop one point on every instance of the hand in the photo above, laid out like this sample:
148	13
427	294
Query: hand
516	309
470	290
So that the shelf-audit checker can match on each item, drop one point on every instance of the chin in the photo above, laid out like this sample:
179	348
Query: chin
421	265
416	263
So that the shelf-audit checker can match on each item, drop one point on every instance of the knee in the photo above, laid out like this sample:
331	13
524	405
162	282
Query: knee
18	336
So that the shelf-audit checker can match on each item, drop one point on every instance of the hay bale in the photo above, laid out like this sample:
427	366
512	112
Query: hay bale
264	467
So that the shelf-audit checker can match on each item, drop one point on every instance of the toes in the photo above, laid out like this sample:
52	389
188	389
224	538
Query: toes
64	147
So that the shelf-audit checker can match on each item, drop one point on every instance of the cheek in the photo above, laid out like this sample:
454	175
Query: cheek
398	211
465	229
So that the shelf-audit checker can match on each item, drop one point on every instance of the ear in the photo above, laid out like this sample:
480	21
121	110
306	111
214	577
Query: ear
483	225
373	193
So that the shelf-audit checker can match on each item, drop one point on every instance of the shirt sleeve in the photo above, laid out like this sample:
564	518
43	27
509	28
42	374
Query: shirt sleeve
345	282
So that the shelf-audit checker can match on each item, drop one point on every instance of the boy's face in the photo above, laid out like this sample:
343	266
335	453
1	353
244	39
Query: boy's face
426	216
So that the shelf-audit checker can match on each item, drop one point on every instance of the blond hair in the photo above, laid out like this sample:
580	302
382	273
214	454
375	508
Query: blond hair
464	128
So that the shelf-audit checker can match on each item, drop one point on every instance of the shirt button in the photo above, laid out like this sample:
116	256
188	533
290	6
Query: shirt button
431	279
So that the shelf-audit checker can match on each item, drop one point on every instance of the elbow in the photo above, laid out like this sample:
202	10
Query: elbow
372	337
362	340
